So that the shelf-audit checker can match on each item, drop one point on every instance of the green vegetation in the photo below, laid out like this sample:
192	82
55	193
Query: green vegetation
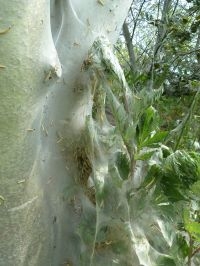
137	159
146	163
144	176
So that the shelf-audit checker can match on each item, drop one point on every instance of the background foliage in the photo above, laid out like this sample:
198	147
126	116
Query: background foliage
146	197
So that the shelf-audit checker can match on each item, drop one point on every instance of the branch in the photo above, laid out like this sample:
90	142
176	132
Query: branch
136	20
196	251
129	45
175	7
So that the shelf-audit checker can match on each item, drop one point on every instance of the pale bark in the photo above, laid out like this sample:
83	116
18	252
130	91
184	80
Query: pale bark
129	44
40	114
162	29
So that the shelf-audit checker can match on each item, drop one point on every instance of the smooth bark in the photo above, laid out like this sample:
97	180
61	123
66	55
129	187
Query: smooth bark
130	48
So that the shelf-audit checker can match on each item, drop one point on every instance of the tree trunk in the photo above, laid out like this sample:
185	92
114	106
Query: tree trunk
130	48
162	30
42	112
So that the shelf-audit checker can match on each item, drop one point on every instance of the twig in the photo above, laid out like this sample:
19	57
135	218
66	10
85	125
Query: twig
136	19
196	251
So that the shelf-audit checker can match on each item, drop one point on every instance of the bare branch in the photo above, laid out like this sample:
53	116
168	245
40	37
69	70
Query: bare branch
136	20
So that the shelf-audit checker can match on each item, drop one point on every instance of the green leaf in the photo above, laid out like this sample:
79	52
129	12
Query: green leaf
155	139
165	261
191	226
174	175
194	229
179	171
143	156
123	165
180	246
153	176
146	125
